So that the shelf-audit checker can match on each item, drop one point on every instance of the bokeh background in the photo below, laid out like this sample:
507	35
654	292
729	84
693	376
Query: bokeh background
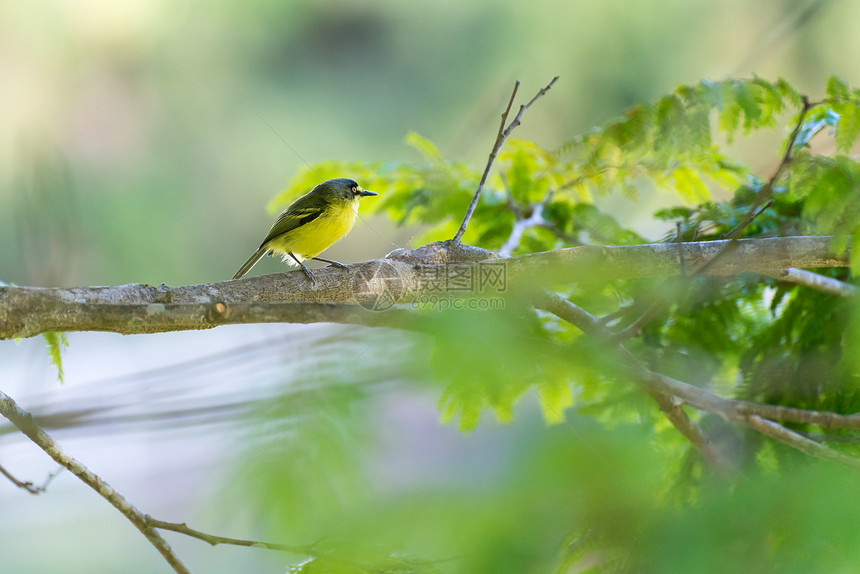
140	142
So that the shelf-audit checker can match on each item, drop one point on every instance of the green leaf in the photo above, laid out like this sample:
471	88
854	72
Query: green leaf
489	360
670	124
56	343
748	103
837	89
848	126
855	248
788	93
555	398
690	186
427	148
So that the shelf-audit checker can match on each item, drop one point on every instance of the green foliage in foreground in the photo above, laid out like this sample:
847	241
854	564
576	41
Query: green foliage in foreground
56	343
628	496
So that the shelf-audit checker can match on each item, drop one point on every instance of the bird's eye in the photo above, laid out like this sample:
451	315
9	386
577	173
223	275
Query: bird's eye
354	190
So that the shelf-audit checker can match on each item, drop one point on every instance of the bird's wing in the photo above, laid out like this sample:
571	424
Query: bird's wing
296	216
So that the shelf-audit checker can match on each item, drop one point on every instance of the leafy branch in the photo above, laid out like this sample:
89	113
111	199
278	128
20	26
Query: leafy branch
667	391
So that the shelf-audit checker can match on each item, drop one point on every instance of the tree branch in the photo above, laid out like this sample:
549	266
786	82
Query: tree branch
796	440
766	192
24	422
503	134
520	227
451	268
744	412
182	528
28	485
815	281
668	404
761	202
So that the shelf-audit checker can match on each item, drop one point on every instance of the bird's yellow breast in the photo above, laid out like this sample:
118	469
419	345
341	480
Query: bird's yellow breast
314	237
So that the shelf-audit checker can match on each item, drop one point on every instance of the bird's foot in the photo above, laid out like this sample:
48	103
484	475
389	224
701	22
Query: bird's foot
310	275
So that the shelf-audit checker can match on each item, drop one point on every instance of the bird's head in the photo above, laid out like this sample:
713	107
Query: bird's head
341	189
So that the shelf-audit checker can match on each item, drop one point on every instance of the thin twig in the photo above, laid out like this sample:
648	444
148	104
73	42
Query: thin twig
823	437
815	281
24	421
667	403
509	196
522	224
503	134
796	440
182	528
28	485
534	220
764	194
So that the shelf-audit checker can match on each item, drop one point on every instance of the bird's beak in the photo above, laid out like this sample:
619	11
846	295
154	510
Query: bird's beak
365	193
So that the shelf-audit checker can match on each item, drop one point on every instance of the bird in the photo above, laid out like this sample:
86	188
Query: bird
311	224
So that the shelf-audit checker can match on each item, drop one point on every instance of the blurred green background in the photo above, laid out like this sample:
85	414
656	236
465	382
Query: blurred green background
140	141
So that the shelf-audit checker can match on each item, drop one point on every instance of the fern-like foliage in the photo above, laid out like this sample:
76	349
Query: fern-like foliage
56	343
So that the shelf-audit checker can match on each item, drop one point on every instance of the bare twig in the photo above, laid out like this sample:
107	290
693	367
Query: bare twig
24	421
815	281
823	437
520	226
502	135
182	528
509	196
28	485
674	411
796	440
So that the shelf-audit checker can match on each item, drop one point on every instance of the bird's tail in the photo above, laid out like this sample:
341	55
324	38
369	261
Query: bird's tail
252	260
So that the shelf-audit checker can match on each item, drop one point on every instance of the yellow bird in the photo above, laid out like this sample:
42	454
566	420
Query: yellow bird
311	224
